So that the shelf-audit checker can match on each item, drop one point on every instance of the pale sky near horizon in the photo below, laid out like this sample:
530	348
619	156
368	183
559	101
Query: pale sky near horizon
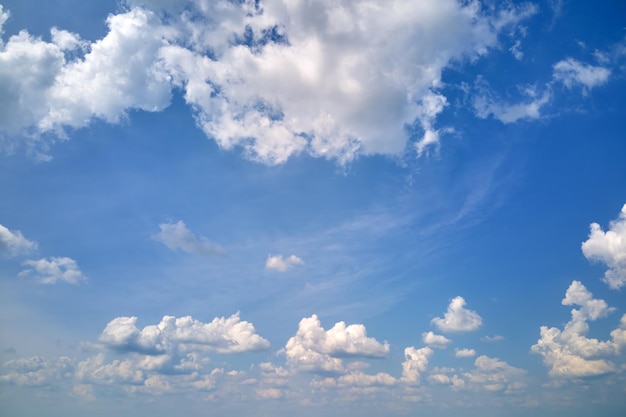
279	207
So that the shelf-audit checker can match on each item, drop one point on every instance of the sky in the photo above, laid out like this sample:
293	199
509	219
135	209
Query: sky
279	207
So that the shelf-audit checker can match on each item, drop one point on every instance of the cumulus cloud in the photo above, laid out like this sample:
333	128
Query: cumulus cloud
415	364
275	78
458	318
317	350
609	248
12	242
464	353
492	374
282	264
572	72
177	236
53	269
568	352
36	371
435	340
172	334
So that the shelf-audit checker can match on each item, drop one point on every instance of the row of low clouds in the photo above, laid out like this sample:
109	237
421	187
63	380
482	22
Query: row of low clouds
277	78
607	247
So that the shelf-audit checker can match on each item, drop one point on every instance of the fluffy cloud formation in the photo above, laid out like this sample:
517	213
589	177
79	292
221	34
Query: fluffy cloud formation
12	242
317	350
464	353
435	340
172	334
36	371
274	78
458	318
572	72
609	248
415	364
569	353
53	269
492	374
177	236
278	263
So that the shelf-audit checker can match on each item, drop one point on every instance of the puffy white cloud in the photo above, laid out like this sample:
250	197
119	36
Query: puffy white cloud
222	335
12	242
177	236
317	350
458	318
569	353
36	371
95	370
572	72
492	374
415	364
464	353
435	340
276	78
609	248
279	263
53	269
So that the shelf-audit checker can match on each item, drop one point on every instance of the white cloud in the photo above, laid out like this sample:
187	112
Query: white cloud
569	353
177	236
182	334
492	374
36	371
458	318
415	363
486	104
278	263
609	248
315	349
572	72
494	338
464	353
345	80
53	269
13	243
435	340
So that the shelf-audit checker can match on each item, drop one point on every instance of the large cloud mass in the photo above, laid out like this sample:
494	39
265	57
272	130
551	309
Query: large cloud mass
275	77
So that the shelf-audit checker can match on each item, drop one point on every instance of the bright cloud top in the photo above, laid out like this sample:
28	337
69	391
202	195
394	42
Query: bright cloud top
275	78
458	318
572	72
609	248
568	352
282	264
435	340
13	243
172	334
53	269
178	236
315	349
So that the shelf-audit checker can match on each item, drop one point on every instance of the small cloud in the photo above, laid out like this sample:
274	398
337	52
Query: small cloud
13	243
572	72
177	236
435	340
464	353
51	270
609	248
458	318
278	263
494	338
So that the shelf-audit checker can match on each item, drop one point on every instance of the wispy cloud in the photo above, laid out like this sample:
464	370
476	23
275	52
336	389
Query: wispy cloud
13	243
282	264
53	269
178	236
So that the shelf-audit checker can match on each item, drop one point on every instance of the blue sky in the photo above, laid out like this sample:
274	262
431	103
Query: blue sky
333	207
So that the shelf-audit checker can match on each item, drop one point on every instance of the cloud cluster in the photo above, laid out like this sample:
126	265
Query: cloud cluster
53	269
172	334
178	236
458	318
569	352
13	243
282	264
274	77
609	248
572	72
317	350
